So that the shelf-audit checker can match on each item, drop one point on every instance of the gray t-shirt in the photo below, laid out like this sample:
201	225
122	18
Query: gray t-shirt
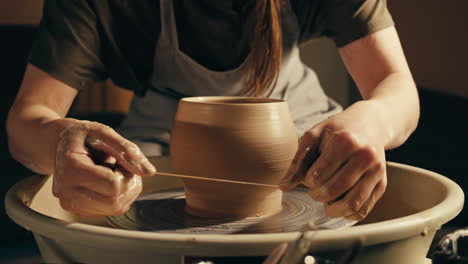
177	75
136	44
80	42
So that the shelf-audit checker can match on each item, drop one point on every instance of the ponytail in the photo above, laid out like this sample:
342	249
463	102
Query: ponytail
266	48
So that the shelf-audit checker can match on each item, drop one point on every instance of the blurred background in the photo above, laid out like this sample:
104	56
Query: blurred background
435	39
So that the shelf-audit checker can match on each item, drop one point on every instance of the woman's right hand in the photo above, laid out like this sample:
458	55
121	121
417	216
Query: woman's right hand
97	172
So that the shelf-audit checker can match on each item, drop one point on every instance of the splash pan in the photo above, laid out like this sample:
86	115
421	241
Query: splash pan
399	230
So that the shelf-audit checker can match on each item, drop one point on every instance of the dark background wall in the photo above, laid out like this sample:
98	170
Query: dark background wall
435	38
434	35
14	45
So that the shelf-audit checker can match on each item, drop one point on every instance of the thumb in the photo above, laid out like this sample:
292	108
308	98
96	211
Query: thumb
306	154
127	153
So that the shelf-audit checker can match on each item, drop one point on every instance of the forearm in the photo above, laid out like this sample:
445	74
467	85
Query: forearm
396	108
33	135
380	70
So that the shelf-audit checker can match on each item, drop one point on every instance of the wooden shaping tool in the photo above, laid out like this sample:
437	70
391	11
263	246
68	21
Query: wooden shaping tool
113	167
214	179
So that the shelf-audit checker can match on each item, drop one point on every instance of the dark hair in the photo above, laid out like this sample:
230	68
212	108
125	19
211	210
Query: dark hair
266	48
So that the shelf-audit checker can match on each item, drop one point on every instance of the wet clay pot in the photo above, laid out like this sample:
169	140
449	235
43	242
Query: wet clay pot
235	138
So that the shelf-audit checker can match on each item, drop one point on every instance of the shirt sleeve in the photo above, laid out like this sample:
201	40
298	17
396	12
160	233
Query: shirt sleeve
67	43
344	21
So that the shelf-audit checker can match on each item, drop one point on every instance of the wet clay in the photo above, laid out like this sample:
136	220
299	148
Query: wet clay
233	138
163	212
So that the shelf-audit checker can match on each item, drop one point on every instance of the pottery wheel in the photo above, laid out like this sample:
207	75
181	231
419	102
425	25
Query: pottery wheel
163	211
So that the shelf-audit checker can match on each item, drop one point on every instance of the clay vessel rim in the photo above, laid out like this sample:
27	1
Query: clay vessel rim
231	100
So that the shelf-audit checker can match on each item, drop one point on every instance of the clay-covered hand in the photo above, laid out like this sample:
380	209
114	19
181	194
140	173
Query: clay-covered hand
346	168
97	172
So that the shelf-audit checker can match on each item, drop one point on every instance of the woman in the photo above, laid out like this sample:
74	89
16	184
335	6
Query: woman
164	50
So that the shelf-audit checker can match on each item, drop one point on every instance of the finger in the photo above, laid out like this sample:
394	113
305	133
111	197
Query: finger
65	167
72	138
83	202
74	169
365	209
357	196
306	154
370	203
335	149
133	189
132	181
102	180
88	203
114	183
344	179
110	160
126	152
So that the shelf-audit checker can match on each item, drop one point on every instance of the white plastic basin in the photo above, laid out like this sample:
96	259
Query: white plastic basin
399	230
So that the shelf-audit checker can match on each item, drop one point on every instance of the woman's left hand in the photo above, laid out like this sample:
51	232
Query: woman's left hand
347	171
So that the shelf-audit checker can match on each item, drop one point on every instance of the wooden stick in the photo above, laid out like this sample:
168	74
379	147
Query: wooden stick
214	179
